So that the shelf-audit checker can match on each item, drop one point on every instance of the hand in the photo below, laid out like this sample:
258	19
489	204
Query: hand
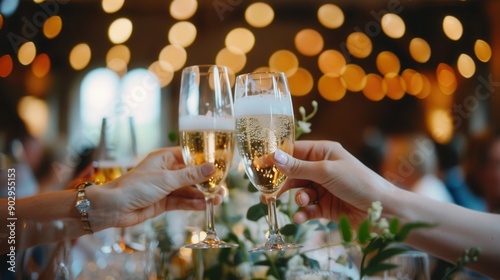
159	183
333	181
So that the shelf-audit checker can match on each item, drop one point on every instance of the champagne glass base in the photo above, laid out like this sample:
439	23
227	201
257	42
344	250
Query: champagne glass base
271	247
211	244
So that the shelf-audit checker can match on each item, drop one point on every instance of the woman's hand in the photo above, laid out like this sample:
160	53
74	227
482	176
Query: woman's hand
333	181
159	183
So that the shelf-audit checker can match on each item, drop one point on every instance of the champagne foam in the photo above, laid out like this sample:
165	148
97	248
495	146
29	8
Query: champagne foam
262	105
206	123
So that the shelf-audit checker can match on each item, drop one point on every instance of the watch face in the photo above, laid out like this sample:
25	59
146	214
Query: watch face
83	206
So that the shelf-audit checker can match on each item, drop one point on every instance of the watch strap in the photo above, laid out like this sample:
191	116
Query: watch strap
81	198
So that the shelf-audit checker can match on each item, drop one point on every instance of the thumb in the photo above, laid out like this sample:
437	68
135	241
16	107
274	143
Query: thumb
192	175
295	168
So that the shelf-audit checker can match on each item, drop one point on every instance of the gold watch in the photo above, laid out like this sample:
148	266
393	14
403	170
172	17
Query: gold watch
83	205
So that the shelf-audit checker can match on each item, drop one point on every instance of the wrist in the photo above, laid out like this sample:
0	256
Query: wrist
102	214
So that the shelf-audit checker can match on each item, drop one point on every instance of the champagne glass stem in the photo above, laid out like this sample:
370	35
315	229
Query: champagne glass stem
274	231
209	215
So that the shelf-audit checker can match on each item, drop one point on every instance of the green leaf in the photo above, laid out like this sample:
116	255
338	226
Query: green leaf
375	244
364	232
172	136
257	211
394	226
248	235
289	229
312	263
214	272
345	229
385	254
378	268
262	263
405	230
251	188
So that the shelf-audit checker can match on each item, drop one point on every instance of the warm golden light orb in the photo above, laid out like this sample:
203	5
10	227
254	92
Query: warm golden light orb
26	53
374	88
182	33
35	113
452	27
41	65
120	52
284	61
420	50
413	81
80	55
331	88
6	65
331	62
482	50
112	6
52	27
183	9
466	66
353	77
359	44
240	38
175	55
395	86
393	25
120	30
387	62
301	83
309	42
232	58
164	73
330	16
446	78
259	14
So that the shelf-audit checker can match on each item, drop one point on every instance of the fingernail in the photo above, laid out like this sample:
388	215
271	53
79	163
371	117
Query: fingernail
300	218
281	157
301	199
207	169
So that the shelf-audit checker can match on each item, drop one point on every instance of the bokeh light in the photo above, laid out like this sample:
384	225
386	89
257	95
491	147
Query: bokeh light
393	25
359	44
26	53
1	21
259	14
440	125
420	50
330	16
41	65
331	88
183	9
353	77
6	65
52	27
395	86
8	7
309	42
482	50
387	62
120	30
301	83
284	61
164	73
452	27
426	88
80	55
112	6
231	58
374	88
413	81
466	66
182	33
35	113
120	52
118	66
446	78
240	38
174	55
331	62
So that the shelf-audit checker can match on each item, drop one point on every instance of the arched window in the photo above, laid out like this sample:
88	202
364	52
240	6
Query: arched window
103	93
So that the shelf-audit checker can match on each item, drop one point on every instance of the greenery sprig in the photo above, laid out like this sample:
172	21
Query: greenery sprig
377	239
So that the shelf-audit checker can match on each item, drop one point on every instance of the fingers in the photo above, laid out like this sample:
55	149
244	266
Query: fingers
306	196
309	212
190	175
296	168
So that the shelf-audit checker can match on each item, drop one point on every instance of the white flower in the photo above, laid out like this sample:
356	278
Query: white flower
304	126
375	212
382	224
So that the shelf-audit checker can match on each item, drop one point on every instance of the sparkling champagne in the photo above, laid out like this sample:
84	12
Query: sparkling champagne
208	139
258	137
107	171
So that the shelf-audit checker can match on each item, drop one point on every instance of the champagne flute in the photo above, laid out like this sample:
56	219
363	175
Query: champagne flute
116	154
206	125
265	123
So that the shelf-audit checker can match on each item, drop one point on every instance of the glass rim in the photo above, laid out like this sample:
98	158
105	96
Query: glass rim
270	73
205	66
